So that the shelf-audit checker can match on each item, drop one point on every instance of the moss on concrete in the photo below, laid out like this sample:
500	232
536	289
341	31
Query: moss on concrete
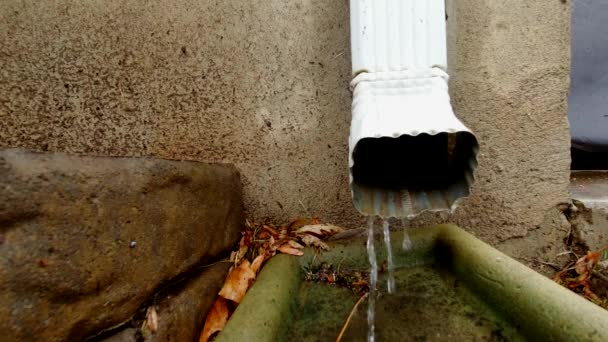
541	308
450	284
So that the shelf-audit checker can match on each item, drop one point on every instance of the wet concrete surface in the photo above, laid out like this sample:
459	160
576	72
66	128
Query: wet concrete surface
590	187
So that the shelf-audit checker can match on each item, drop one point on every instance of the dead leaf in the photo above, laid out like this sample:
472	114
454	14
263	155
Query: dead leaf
152	319
328	277
263	235
591	295
216	319
238	281
240	254
581	265
247	239
320	230
296	224
270	230
360	283
585	264
236	256
592	259
271	244
257	262
312	240
287	249
294	244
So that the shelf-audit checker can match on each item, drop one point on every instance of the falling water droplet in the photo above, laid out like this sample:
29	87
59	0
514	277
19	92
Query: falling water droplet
373	279
407	242
389	257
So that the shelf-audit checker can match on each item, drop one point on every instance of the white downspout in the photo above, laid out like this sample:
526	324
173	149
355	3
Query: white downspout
408	152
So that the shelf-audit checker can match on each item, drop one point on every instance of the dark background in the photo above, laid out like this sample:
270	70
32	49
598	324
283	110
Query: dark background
588	103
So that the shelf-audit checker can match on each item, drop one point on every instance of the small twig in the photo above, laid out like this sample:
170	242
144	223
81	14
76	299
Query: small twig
566	253
566	268
540	262
352	312
215	263
338	55
339	264
555	266
314	257
304	207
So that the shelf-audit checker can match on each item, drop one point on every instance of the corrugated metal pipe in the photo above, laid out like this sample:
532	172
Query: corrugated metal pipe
408	151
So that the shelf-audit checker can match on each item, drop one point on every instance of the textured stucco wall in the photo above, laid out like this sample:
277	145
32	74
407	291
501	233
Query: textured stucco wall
264	84
510	65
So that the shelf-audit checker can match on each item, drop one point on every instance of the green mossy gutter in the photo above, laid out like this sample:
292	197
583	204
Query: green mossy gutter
536	306
267	310
540	308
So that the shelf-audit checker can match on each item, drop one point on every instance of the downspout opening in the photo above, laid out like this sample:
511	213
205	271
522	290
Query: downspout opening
396	177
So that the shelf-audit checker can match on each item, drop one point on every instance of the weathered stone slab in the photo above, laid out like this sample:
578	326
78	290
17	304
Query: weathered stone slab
181	317
181	314
84	241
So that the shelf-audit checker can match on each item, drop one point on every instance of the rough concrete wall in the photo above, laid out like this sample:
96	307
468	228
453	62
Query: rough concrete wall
509	62
264	84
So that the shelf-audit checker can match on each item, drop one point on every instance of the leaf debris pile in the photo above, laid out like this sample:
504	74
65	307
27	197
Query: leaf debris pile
260	242
356	281
588	276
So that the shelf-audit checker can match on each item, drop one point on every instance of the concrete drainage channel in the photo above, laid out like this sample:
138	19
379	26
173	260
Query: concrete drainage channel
451	285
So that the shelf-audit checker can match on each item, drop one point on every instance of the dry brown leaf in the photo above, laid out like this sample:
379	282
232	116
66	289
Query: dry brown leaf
296	224
312	240
216	319
152	319
257	263
320	230
581	265
287	249
592	259
585	264
271	244
294	244
270	230
263	235
240	254
238	281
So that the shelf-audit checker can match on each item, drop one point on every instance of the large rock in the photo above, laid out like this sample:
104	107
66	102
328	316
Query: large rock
85	241
181	317
181	314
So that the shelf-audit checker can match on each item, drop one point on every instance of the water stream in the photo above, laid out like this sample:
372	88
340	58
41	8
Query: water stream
407	242
389	257
373	276
373	279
